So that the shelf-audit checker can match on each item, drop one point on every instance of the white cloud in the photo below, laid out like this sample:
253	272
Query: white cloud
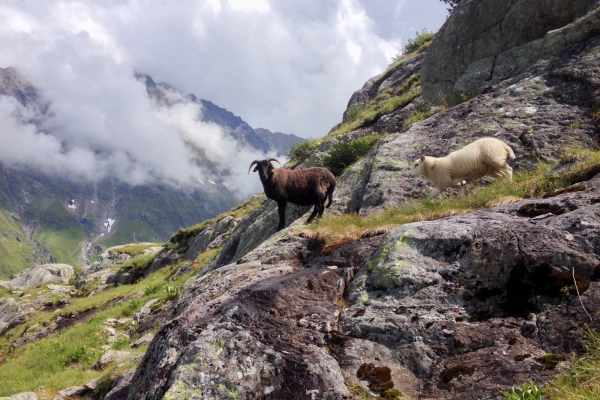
284	65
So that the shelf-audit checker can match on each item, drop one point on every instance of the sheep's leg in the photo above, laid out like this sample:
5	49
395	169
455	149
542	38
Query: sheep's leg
461	186
281	208
435	192
508	172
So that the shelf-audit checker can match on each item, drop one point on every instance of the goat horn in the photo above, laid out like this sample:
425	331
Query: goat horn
253	162
269	159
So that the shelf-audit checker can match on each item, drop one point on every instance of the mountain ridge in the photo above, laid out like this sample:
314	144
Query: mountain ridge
55	212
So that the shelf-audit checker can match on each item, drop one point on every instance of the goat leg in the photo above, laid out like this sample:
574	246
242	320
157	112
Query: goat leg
281	208
315	211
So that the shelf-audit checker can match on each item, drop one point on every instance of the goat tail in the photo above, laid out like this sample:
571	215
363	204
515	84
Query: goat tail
510	152
330	195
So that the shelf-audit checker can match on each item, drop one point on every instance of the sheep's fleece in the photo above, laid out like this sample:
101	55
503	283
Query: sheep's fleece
485	156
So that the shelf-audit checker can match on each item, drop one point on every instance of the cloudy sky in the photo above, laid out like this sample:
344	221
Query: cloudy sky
284	65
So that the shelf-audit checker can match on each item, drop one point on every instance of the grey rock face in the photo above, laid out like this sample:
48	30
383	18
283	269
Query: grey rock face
106	260
537	113
246	329
473	302
485	41
36	276
455	308
120	386
378	84
110	357
73	391
23	396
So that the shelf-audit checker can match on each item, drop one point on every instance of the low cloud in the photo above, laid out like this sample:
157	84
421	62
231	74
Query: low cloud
284	65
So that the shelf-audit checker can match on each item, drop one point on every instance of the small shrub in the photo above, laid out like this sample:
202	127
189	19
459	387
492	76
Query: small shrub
171	292
353	112
529	391
155	289
301	151
345	153
419	40
79	355
132	307
596	117
417	44
451	5
121	343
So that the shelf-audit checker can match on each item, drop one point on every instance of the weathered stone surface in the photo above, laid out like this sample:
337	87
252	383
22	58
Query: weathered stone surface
144	340
36	276
458	60
538	114
73	391
256	327
390	79
22	396
93	385
120	386
201	242
473	303
145	310
110	357
456	308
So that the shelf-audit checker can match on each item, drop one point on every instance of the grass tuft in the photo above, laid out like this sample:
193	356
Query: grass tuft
526	184
582	379
345	153
375	108
181	237
64	358
133	250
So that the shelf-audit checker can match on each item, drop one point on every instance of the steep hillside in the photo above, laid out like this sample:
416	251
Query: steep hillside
260	139
56	219
392	294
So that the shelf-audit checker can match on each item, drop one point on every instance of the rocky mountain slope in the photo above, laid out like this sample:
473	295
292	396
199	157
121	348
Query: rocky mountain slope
453	305
49	218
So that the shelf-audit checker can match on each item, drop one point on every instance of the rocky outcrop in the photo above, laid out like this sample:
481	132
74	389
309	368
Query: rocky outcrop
213	348
459	307
486	41
21	396
394	77
476	302
36	276
538	113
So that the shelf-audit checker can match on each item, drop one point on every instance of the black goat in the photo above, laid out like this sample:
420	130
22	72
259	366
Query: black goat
303	187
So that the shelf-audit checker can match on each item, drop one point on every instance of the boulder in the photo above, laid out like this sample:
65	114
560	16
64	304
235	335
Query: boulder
120	386
110	357
73	391
34	277
22	396
144	340
530	112
461	307
485	41
262	323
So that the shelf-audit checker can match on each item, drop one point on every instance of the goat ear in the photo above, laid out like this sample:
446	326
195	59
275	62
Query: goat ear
422	158
255	169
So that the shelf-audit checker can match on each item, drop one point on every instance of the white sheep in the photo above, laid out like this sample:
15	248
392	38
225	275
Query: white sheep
485	156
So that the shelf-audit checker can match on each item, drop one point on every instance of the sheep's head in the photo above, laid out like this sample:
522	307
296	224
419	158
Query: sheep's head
264	168
417	168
